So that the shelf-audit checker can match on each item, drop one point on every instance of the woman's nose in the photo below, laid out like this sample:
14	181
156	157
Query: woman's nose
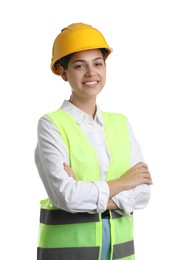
90	71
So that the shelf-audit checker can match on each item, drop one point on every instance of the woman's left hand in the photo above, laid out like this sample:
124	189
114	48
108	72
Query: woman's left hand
69	171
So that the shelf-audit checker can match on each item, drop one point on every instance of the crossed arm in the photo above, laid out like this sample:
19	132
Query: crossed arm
135	176
132	189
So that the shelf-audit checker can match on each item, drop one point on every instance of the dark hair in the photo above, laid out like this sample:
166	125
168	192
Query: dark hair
64	61
104	52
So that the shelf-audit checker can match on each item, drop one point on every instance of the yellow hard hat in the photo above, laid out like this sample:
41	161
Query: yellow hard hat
77	37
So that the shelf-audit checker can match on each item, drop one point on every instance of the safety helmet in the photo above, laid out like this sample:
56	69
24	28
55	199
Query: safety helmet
77	37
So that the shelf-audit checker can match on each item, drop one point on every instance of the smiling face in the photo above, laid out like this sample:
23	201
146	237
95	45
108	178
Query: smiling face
86	74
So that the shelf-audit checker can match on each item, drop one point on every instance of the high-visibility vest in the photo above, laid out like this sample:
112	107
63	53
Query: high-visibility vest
78	236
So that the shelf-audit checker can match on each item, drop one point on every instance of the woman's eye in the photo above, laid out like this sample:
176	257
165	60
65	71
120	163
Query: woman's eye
79	66
99	64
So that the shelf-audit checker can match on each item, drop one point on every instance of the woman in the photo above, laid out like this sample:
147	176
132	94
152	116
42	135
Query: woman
89	161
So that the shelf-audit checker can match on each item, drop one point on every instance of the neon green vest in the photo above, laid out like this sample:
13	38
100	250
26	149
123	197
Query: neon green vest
67	236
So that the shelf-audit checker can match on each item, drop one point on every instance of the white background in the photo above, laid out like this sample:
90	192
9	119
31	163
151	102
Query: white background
142	82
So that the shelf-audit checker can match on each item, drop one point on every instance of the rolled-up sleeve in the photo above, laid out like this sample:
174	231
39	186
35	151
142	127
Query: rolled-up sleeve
103	195
128	201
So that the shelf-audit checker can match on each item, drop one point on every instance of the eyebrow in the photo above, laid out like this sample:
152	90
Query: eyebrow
98	58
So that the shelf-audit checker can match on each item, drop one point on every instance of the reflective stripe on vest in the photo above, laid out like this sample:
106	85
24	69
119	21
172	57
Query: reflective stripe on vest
124	250
75	253
59	217
63	235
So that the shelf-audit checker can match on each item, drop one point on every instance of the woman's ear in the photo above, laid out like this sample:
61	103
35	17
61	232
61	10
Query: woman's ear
63	73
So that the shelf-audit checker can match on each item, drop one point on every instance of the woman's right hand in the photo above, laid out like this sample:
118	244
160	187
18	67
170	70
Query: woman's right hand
136	175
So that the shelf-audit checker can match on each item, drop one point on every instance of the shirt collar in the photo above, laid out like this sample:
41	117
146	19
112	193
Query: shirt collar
78	115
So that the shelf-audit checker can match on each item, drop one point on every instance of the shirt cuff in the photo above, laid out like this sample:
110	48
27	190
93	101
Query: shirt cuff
124	202
103	195
136	198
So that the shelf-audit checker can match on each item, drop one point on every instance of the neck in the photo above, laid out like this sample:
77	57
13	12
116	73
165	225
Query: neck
88	106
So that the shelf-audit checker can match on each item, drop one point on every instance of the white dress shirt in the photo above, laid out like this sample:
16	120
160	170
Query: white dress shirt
80	196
